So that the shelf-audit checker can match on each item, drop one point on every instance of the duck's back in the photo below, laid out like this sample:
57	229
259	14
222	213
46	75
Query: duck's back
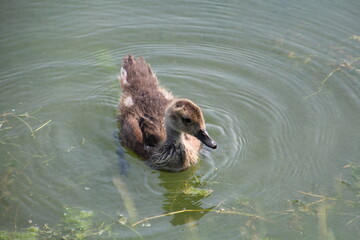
142	107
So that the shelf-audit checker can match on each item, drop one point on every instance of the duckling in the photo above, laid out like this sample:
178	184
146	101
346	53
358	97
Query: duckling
165	131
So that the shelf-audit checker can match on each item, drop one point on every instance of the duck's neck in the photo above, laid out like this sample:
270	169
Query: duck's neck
173	155
173	136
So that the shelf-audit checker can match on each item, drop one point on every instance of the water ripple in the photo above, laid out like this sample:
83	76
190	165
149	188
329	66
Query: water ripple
277	82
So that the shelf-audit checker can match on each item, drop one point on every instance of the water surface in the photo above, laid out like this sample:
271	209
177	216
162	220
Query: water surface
279	85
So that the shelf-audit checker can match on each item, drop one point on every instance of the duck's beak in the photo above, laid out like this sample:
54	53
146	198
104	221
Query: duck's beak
204	137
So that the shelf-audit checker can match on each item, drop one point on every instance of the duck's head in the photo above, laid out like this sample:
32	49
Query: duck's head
183	115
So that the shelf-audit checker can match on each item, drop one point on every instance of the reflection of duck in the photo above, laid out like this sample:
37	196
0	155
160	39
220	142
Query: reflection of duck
187	207
154	124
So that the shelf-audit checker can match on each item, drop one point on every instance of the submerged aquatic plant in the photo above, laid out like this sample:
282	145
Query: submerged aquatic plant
76	224
27	235
203	193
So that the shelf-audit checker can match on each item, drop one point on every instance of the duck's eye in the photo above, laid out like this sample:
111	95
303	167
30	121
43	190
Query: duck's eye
186	120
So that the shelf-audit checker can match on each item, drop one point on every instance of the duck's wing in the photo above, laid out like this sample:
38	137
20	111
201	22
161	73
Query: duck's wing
151	132
131	135
142	106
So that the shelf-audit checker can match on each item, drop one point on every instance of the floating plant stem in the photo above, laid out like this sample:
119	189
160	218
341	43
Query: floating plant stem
20	118
342	65
23	121
222	211
42	126
353	220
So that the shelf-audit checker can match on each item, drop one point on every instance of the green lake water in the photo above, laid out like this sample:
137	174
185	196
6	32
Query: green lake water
279	85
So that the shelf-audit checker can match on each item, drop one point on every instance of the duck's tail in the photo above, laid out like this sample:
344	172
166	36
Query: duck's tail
136	74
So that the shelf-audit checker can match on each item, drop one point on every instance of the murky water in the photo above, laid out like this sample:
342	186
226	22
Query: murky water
279	84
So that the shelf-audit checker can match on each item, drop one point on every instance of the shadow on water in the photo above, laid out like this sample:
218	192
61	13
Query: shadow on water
184	192
124	165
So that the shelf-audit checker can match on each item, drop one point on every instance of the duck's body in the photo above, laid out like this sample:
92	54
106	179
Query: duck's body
158	127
